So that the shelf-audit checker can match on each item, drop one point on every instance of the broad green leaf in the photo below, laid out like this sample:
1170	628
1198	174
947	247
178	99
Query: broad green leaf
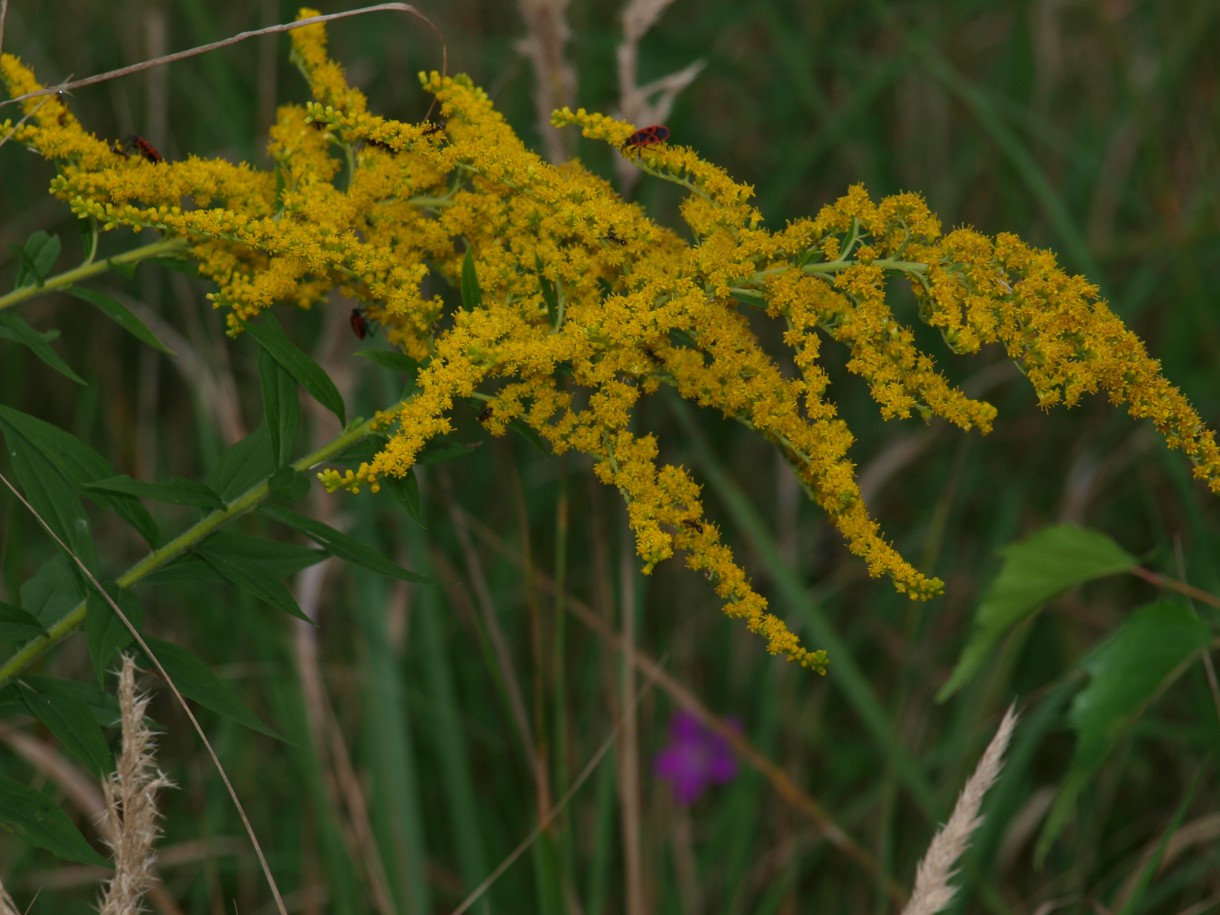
189	569
340	544
361	451
37	257
406	491
530	436
251	577
439	451
267	332
1126	672
14	327
274	559
244	465
472	296
72	722
54	500
16	625
120	315
388	359
35	819
77	463
197	682
289	484
1034	571
176	492
52	592
106	634
281	406
102	705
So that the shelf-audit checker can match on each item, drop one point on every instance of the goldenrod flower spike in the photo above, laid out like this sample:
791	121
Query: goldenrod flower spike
576	305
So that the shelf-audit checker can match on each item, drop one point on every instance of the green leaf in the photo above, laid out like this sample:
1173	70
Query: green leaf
472	296
120	315
54	501
13	327
275	559
102	705
439	451
388	359
176	492
1126	672
18	626
243	466
281	407
750	297
251	577
289	484
106	634
406	491
530	436
37	821
37	257
340	544
89	234
1034	571
75	462
197	683
72	722
52	592
271	337
549	295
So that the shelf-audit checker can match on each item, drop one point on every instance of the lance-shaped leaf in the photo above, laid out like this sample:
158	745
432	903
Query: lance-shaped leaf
120	315
197	682
267	332
71	721
340	544
281	406
75	462
34	818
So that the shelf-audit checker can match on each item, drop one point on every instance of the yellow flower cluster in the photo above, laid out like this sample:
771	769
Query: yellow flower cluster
580	305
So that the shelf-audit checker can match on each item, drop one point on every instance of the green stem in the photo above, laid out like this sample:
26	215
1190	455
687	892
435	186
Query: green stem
189	538
63	280
749	286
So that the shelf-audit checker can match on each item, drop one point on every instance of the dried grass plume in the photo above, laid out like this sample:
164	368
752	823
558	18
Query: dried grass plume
932	889
131	803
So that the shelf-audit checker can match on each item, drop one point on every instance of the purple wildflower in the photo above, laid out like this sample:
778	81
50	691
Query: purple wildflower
695	758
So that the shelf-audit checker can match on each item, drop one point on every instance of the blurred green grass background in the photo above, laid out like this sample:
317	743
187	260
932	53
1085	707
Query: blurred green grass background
1086	127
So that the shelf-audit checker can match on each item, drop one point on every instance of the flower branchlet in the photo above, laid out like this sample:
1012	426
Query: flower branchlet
587	306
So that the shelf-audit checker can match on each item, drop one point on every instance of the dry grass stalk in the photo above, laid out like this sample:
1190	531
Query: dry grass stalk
131	803
932	889
7	906
555	85
650	104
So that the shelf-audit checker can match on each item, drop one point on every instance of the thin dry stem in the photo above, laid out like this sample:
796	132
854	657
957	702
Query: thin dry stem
131	803
932	889
186	709
7	906
234	39
650	104
780	781
555	79
549	815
